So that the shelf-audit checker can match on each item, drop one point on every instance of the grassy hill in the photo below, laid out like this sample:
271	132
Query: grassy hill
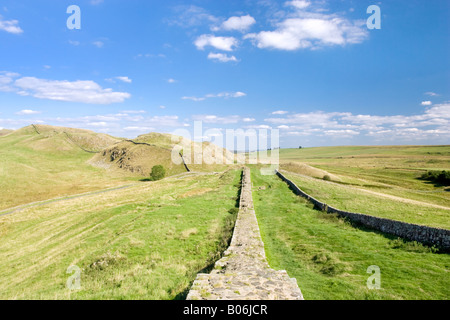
4	132
41	162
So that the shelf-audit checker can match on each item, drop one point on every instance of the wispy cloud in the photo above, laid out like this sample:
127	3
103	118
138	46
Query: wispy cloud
224	95
27	112
10	26
188	16
98	43
60	90
222	57
279	112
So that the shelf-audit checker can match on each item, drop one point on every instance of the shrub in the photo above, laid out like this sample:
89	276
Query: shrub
326	178
158	173
442	178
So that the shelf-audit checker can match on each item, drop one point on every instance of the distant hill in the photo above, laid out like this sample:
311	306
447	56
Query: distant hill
4	132
47	138
40	162
141	154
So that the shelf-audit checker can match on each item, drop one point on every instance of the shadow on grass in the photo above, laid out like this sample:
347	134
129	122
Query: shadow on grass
225	237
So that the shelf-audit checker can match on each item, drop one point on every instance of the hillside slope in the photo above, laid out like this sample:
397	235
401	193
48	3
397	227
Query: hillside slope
43	162
40	162
4	132
138	156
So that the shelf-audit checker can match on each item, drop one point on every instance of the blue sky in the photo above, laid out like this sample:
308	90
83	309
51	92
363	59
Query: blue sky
311	69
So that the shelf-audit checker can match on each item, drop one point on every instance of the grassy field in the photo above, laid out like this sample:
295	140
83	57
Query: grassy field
392	170
329	257
144	242
378	204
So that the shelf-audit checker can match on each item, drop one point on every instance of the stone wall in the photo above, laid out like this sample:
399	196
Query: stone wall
244	273
427	235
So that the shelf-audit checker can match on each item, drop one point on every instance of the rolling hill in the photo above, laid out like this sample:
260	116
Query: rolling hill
40	162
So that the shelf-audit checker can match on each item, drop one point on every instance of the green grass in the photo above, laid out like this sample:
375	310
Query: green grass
329	257
393	170
351	199
145	242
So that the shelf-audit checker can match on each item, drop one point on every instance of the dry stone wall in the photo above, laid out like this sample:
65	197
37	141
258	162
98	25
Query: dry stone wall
243	273
427	235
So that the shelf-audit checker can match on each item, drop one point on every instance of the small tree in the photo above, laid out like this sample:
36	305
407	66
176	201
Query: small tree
158	173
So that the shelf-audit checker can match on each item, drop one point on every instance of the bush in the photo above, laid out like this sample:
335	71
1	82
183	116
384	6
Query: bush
442	178
326	178
158	173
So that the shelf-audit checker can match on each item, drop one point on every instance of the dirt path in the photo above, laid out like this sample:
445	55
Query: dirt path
45	202
81	195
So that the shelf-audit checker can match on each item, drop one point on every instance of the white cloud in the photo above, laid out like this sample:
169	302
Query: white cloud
6	79
222	57
242	23
310	30
10	26
134	111
299	4
196	99
171	80
125	79
280	112
74	43
191	16
259	127
27	112
249	119
434	123
427	103
71	91
224	95
98	44
139	129
220	43
431	94
217	119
